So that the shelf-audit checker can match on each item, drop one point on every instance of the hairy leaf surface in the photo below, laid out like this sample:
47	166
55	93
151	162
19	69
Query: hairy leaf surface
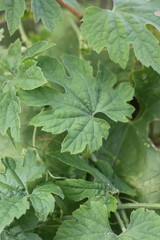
124	25
85	96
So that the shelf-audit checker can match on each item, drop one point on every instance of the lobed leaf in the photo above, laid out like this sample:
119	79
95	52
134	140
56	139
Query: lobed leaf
125	24
85	96
11	208
49	11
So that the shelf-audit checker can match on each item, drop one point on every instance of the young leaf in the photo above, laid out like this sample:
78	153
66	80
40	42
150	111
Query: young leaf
11	208
124	25
18	173
49	11
36	49
12	59
42	200
85	96
29	76
14	10
9	114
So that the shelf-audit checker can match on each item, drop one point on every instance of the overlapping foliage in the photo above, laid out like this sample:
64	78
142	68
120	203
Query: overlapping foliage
79	125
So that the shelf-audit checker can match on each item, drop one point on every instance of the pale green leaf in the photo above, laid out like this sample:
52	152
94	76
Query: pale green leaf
78	189
124	25
42	200
85	96
29	76
36	49
12	59
9	114
143	225
49	11
14	10
12	208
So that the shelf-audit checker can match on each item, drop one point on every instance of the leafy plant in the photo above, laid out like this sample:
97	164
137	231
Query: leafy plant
79	125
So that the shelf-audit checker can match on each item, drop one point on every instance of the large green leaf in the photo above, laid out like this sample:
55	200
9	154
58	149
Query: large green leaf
11	208
124	25
49	11
91	222
9	114
135	157
85	96
14	10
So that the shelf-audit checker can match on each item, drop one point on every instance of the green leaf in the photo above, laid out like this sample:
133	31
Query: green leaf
12	59
49	11
80	163
18	172
85	96
6	235
78	189
136	160
9	114
124	25
42	200
36	49
89	223
29	76
143	225
12	208
14	10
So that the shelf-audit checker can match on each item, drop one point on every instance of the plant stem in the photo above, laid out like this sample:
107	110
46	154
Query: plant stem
24	36
34	137
78	14
139	205
121	224
124	215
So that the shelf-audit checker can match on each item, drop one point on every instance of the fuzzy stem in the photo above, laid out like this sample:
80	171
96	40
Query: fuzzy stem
139	205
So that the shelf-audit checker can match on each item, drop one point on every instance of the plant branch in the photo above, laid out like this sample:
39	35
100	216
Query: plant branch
78	14
139	205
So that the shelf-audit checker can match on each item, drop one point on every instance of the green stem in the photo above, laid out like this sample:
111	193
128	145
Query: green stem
121	224
24	36
139	205
34	137
124	215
